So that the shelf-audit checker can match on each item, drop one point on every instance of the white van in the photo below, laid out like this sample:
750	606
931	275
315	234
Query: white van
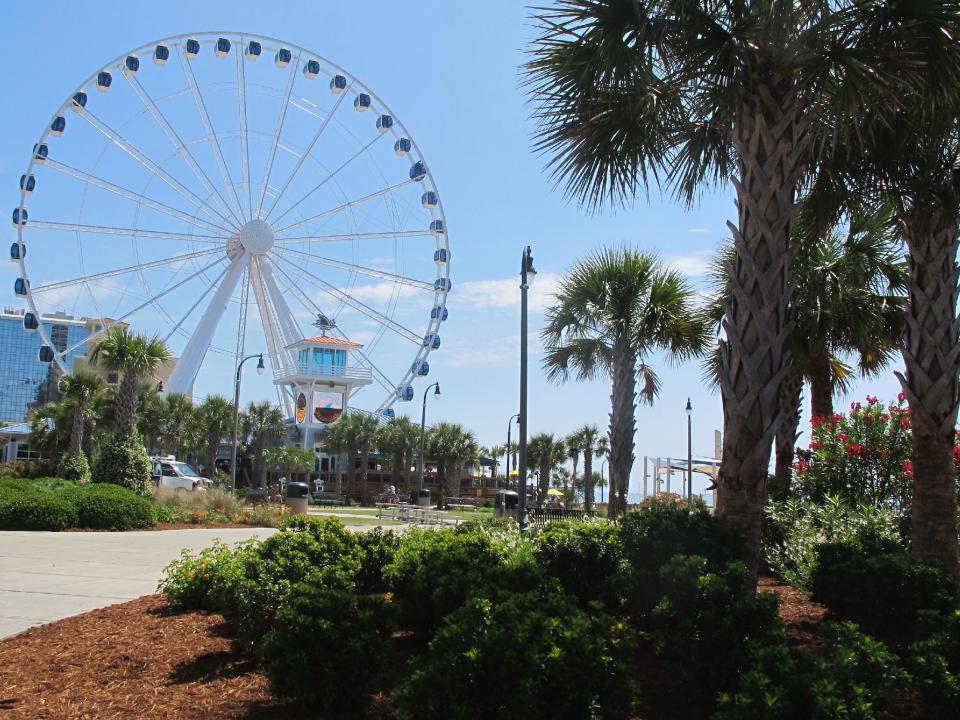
167	472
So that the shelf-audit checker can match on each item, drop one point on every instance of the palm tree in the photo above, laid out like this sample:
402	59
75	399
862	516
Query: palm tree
176	415
216	416
135	357
592	444
612	310
289	459
452	447
544	452
262	423
398	439
697	93
354	435
574	446
848	301
79	388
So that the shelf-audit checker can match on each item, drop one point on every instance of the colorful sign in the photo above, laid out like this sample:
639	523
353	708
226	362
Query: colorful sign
327	406
301	408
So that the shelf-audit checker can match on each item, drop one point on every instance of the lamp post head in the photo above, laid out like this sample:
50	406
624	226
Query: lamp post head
436	392
260	366
689	408
527	271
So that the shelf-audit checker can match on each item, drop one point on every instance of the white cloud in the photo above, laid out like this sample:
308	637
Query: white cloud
505	292
692	265
699	231
378	294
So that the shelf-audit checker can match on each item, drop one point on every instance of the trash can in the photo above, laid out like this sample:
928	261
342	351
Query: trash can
423	498
505	504
296	498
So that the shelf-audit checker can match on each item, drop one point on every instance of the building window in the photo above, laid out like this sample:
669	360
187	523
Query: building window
58	336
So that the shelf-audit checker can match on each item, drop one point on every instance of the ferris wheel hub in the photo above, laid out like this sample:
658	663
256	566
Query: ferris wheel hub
256	237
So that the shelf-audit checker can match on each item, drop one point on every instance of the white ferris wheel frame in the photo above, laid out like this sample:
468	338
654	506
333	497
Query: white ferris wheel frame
279	327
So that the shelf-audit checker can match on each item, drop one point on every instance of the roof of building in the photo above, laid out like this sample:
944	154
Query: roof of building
328	340
18	429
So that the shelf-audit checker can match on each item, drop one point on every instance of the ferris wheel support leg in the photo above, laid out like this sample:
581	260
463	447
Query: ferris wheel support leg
185	372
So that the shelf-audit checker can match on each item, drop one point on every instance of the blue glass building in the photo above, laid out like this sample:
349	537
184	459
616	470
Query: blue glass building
25	382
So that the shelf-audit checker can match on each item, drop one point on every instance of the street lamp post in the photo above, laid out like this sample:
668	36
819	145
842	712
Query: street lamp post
689	455
527	275
509	423
236	415
423	423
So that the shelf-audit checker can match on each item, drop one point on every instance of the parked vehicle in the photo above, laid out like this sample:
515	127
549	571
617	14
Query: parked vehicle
168	472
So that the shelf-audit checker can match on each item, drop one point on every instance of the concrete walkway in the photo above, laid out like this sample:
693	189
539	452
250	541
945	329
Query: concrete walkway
47	576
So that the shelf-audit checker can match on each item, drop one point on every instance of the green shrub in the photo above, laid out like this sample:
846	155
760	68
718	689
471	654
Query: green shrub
124	461
26	469
326	646
27	508
796	528
111	507
934	663
74	466
219	500
853	677
204	581
882	589
377	548
584	557
533	655
703	626
167	514
433	572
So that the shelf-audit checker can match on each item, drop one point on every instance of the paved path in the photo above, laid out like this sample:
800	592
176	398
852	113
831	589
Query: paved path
47	576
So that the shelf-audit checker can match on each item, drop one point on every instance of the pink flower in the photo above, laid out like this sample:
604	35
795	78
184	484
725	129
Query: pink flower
902	396
871	400
816	445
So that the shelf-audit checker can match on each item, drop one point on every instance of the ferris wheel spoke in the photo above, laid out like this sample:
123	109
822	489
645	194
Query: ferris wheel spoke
196	304
212	138
138	155
306	153
269	316
344	206
129	232
353	236
185	371
244	143
121	271
326	179
361	269
138	308
343	297
284	104
310	306
129	194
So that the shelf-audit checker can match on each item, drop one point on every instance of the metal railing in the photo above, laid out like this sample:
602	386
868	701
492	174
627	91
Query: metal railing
322	371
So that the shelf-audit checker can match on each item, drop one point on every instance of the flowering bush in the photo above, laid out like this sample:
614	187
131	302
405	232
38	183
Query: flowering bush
863	457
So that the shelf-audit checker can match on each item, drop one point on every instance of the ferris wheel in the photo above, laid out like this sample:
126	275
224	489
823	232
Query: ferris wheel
226	191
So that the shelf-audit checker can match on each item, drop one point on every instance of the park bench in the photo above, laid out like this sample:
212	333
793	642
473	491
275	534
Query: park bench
462	503
328	498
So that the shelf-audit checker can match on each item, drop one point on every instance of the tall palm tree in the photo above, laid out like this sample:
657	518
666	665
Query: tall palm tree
544	452
135	357
262	423
848	301
614	309
216	416
592	444
574	446
176	416
398	439
453	447
699	93
354	435
79	388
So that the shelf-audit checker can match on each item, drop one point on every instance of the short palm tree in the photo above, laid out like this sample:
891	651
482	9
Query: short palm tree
544	452
592	444
574	446
216	416
262	424
398	439
135	358
79	388
753	93
176	421
453	447
354	435
612	310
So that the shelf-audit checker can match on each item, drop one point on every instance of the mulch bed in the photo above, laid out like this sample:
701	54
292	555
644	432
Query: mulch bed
140	660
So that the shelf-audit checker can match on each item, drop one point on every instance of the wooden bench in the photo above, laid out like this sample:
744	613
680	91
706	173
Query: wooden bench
462	503
328	498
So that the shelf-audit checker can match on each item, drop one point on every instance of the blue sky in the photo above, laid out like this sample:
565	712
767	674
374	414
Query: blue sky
452	77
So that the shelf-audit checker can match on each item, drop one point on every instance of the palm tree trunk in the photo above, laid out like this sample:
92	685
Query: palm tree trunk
573	482
821	383
213	445
588	477
127	405
770	140
787	434
259	466
351	473
931	353
76	430
544	481
623	403
364	463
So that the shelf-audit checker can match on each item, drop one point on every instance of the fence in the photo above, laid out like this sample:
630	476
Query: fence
540	517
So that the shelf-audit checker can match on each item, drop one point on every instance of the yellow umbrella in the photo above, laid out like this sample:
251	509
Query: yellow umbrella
554	491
